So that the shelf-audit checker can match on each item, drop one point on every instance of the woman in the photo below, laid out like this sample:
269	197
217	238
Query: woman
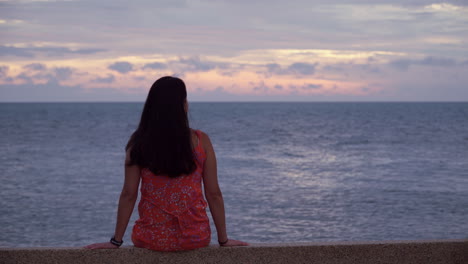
171	160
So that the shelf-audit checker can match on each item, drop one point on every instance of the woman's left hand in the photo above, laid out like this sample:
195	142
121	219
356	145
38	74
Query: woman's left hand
105	245
234	243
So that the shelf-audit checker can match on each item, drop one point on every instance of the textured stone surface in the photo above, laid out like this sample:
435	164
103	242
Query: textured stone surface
401	252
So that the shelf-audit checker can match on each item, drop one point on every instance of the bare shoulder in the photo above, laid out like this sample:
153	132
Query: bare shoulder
204	135
206	142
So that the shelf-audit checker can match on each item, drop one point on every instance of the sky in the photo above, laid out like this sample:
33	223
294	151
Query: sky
256	50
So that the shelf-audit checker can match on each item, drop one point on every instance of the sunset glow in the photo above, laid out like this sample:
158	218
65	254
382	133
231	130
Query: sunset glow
322	51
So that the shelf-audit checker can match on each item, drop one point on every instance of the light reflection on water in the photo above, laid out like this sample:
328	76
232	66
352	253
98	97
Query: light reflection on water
289	172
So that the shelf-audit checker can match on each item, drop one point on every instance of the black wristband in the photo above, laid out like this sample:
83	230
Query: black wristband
115	242
223	243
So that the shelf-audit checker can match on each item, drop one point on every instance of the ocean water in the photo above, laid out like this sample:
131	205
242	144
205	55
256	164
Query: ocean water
289	171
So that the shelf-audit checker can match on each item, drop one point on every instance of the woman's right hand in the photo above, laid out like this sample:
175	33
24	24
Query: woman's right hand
234	243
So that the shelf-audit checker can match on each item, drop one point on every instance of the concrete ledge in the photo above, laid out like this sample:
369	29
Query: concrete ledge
401	252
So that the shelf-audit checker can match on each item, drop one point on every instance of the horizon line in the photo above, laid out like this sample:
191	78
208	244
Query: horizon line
196	101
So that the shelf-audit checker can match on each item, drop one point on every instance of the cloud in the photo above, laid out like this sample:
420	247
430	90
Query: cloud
23	76
47	76
401	64
20	52
297	68
404	64
335	67
109	79
30	52
370	68
352	43
296	24
273	68
363	69
302	68
3	71
155	66
278	87
195	64
121	66
218	94
311	86
63	73
37	71
440	62
361	2
35	67
260	87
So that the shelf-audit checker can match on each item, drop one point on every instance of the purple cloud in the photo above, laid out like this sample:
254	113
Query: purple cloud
30	52
273	67
196	64
3	71
302	68
109	79
155	66
433	61
24	77
311	86
35	67
404	64
63	73
121	66
298	68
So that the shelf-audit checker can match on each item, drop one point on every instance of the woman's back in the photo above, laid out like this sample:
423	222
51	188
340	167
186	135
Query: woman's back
160	155
172	210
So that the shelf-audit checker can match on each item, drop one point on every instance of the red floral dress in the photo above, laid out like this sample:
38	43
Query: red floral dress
172	210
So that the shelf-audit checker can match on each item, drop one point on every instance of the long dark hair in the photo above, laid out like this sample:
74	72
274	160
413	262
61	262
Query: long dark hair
162	142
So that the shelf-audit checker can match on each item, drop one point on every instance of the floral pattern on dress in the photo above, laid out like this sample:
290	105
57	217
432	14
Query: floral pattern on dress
173	210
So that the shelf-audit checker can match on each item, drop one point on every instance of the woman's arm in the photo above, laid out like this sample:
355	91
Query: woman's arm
214	196
128	197
127	201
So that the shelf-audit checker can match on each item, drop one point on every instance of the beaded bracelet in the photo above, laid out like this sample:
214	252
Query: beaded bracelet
115	242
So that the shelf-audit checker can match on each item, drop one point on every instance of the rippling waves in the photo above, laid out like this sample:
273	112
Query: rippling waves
288	171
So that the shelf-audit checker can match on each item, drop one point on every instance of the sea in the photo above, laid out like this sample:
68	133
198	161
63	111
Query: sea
289	172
